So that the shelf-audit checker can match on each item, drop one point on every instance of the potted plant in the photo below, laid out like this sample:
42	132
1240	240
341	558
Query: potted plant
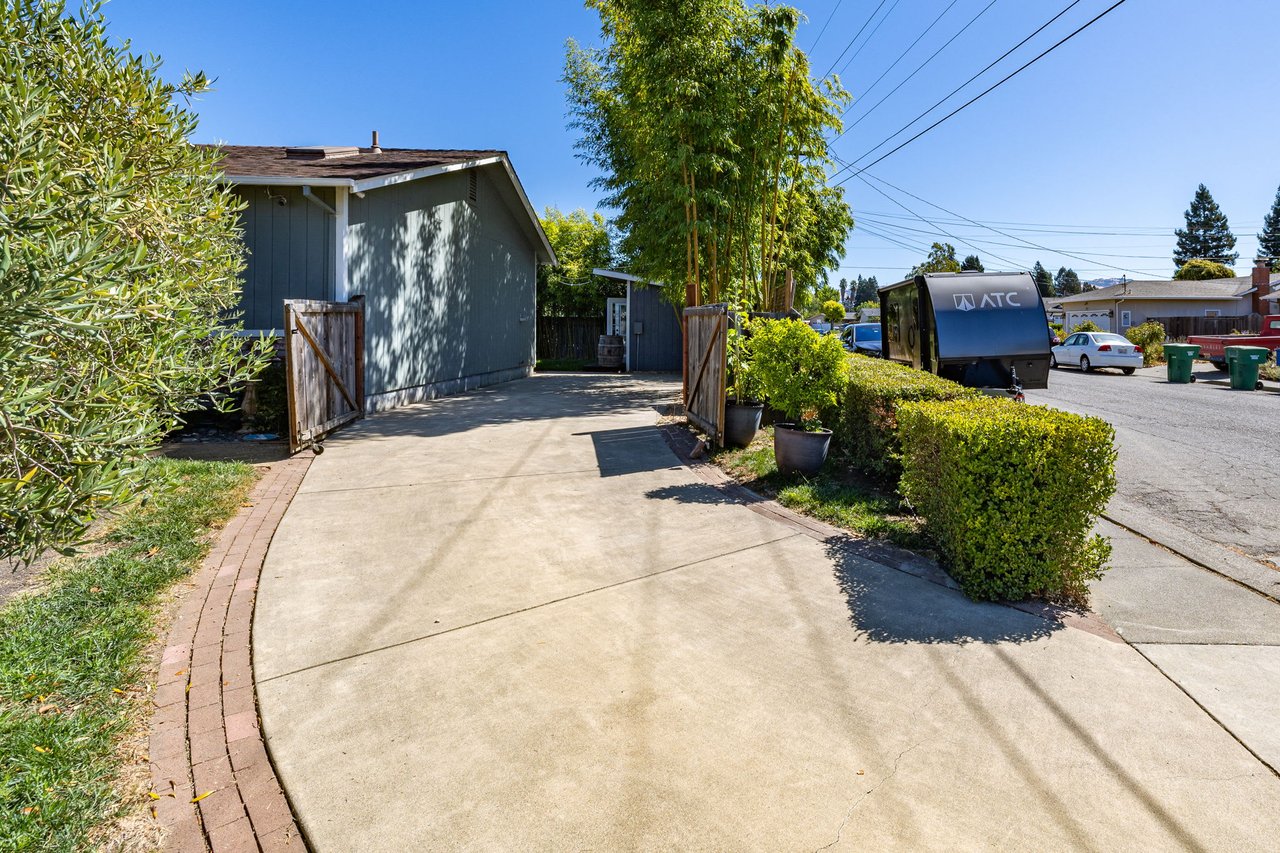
800	373
744	408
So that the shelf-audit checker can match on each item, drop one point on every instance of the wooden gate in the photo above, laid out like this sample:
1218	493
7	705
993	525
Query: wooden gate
706	371
324	367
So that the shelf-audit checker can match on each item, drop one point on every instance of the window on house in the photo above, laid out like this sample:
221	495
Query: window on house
1212	312
1126	319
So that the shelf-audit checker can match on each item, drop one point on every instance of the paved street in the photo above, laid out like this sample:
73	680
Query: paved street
1201	457
512	620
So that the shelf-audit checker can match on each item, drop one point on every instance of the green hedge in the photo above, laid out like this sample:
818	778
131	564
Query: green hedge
866	426
1010	492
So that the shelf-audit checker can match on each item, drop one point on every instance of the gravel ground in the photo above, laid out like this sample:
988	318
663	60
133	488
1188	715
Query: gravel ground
1201	456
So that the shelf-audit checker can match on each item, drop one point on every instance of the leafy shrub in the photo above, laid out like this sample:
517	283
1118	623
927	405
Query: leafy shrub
1058	329
866	428
832	311
1150	336
743	380
1010	492
800	371
1199	269
1086	326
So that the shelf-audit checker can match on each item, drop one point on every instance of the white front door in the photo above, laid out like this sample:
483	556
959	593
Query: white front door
616	317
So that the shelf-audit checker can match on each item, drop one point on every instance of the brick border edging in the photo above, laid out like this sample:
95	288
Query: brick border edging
683	443
206	744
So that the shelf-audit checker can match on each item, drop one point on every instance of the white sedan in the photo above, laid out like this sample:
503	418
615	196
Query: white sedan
1088	350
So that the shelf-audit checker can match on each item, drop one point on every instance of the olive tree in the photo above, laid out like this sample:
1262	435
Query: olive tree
119	271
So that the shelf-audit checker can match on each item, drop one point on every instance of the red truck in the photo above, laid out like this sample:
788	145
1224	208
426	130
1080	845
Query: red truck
1213	347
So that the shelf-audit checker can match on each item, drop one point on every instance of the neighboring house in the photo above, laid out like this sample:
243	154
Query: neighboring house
1120	306
442	245
649	324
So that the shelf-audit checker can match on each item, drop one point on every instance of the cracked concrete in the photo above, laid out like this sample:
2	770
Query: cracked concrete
585	646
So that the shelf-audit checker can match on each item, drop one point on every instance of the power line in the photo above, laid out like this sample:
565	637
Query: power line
919	68
986	91
870	36
905	52
988	227
827	73
821	33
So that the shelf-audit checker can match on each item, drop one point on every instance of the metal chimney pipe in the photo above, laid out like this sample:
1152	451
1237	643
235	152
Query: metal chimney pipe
376	149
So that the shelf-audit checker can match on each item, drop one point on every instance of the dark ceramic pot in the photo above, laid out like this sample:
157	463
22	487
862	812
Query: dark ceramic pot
741	423
798	451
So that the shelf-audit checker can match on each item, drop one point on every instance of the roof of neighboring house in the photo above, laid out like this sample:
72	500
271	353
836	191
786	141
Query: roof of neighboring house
364	169
241	163
1218	288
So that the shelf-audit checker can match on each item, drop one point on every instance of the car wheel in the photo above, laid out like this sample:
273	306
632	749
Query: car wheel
1053	360
1127	371
1085	366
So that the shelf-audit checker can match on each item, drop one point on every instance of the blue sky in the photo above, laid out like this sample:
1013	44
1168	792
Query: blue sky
1095	150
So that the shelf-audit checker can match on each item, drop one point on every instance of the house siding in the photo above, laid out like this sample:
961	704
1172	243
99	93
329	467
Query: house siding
1142	309
660	346
448	284
289	252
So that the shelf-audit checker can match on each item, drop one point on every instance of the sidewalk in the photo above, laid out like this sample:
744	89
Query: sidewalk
512	619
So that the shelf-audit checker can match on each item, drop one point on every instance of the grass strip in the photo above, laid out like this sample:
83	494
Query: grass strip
839	497
72	656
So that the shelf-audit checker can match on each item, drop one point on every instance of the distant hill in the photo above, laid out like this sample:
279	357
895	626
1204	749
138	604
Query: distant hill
1098	283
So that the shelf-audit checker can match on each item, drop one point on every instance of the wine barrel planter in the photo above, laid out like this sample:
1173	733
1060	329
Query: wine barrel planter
610	351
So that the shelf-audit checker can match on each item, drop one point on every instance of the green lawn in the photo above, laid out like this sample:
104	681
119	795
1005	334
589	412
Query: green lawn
835	495
71	656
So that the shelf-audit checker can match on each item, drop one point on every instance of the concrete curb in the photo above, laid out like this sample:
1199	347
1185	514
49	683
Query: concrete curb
210	770
682	443
1198	550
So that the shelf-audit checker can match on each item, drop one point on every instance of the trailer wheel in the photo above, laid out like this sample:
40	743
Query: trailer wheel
1085	366
1127	371
1218	364
1193	377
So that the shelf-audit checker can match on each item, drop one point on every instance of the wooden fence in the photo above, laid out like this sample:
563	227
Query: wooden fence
1179	328
324	367
706	368
569	337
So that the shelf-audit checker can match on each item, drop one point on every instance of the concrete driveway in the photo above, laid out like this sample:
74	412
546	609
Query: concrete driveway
511	620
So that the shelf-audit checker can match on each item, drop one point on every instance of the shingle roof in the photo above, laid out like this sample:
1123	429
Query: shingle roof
270	161
1218	288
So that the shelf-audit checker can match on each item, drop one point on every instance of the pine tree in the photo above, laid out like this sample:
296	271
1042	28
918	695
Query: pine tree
972	262
1044	279
1207	234
866	290
1069	283
1269	239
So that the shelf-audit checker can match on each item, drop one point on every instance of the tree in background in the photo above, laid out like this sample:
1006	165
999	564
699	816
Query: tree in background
1044	279
582	242
1066	282
1198	269
1207	235
120	257
865	290
814	301
844	290
832	311
972	263
711	139
1269	239
942	258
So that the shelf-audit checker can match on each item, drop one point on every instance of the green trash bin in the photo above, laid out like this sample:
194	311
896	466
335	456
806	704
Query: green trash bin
1178	360
1244	363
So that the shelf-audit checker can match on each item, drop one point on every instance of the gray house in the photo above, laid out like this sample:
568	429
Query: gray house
442	245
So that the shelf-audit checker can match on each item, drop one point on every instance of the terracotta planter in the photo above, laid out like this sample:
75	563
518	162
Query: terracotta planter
741	423
798	451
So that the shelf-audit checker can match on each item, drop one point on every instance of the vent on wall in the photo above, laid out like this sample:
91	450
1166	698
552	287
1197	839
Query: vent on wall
472	185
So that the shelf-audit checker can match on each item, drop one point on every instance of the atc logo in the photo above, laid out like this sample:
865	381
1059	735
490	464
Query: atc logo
964	301
968	302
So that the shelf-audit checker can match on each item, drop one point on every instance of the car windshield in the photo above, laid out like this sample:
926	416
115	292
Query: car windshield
1111	339
868	333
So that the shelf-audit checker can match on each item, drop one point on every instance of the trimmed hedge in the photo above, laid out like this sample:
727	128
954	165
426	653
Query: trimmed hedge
866	427
1010	492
